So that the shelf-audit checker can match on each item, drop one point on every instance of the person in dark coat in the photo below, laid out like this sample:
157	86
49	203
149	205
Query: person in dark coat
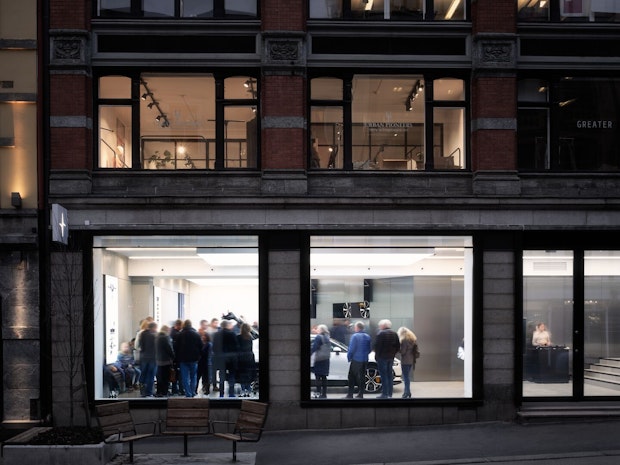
225	351
188	349
247	364
386	346
165	359
148	357
321	351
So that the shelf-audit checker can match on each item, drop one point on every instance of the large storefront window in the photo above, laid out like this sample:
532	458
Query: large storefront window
203	9
378	122
571	344
569	10
421	283
570	124
168	279
171	122
396	10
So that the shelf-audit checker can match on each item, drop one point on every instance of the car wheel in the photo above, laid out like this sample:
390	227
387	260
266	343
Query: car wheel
373	380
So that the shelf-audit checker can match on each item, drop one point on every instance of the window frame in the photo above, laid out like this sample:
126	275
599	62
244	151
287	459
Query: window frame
220	104
348	14
430	105
136	12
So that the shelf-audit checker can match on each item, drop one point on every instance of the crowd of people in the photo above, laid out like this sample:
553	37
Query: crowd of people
387	345
181	360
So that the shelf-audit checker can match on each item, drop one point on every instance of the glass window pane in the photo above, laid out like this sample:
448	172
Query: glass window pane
449	138
197	8
367	9
326	89
533	90
326	135
176	108
325	8
368	280
547	323
241	137
240	8
240	87
406	9
587	125
532	134
114	8
449	10
533	10
223	272
114	137
449	89
156	8
114	87
388	117
601	322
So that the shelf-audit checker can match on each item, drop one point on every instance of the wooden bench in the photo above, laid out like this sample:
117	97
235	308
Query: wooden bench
24	437
187	417
118	426
248	427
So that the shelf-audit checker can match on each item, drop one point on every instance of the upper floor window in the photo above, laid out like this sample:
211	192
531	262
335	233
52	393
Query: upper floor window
570	124
177	9
397	10
569	10
163	121
387	122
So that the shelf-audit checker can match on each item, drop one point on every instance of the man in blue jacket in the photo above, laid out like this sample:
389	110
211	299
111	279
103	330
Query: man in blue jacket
359	348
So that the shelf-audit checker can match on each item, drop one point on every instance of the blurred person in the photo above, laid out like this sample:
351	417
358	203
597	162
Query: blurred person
360	345
408	353
386	347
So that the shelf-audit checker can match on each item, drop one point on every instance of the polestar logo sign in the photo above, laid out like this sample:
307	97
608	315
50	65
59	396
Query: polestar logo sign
60	226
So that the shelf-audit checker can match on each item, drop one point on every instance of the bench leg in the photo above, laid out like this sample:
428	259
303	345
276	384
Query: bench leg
130	451
234	451
185	445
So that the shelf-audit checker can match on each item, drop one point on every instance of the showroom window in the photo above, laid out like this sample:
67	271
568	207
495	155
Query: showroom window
200	9
569	10
395	10
571	316
422	283
568	124
164	279
177	122
382	122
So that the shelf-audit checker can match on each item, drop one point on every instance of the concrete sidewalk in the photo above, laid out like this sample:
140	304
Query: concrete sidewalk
573	443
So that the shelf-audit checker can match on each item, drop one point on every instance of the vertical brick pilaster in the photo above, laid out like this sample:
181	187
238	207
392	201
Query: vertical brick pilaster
283	91
494	96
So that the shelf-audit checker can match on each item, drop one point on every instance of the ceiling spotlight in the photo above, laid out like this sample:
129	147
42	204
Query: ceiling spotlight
153	103
146	95
158	118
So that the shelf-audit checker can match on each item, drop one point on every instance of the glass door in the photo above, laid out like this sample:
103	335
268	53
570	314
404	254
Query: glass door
601	373
547	323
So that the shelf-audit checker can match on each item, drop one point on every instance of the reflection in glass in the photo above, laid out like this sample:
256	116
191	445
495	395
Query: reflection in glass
449	10
533	10
114	8
239	8
114	136
547	300
197	8
449	138
240	137
601	323
325	9
326	134
158	8
422	283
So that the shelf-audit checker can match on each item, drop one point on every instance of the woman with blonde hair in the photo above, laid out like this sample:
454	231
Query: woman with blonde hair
408	354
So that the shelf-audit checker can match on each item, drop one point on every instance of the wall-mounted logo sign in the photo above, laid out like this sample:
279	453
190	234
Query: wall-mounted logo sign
60	224
594	124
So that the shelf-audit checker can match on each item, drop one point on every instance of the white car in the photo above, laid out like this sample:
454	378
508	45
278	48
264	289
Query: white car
339	368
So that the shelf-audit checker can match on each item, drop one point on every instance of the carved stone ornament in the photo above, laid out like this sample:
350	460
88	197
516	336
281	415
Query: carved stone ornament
68	50
495	53
284	50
